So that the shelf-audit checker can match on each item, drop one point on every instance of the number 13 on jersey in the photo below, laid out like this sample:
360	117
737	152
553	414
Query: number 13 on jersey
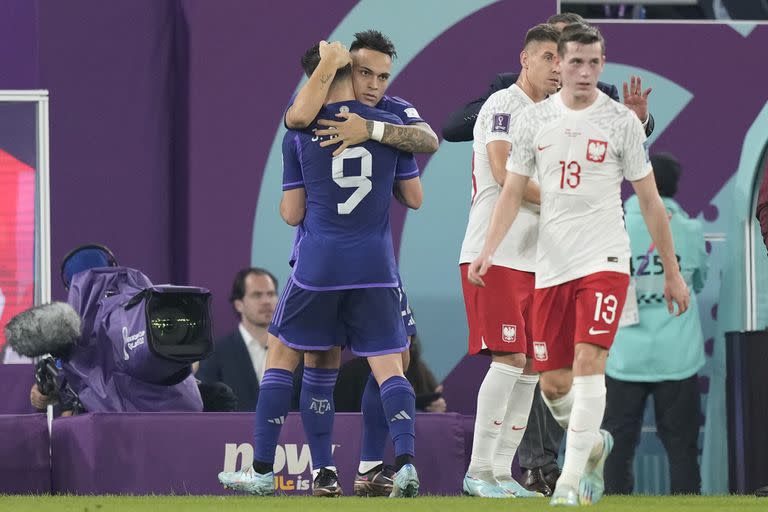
570	174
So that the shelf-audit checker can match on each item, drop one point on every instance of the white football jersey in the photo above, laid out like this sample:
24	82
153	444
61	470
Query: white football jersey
494	122
580	158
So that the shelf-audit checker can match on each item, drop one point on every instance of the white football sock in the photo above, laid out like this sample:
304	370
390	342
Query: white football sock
584	428
367	465
560	408
492	401
513	428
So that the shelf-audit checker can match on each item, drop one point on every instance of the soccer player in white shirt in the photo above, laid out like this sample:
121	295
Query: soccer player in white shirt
498	315
580	145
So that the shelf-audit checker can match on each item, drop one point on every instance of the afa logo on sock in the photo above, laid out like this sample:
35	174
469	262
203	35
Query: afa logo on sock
294	461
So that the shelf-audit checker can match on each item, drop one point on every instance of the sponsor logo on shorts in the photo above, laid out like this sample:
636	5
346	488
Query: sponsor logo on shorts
595	332
509	333
540	350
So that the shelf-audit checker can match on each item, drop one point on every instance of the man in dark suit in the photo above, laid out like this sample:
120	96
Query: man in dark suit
239	358
540	446
459	125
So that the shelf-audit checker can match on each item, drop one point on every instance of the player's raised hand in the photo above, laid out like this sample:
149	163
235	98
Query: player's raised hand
676	291
353	130
478	268
635	98
336	51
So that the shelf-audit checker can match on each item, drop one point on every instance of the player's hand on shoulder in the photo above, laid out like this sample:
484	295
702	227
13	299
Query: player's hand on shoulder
350	130
336	52
478	268
676	292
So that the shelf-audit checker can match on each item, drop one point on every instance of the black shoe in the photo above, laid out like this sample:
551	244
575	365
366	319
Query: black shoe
376	482
551	476
326	484
534	480
762	492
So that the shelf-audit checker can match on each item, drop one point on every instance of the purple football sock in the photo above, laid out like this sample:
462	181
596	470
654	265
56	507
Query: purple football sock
317	410
399	403
274	402
375	428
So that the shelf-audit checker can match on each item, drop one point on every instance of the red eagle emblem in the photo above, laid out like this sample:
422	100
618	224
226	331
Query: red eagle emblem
596	150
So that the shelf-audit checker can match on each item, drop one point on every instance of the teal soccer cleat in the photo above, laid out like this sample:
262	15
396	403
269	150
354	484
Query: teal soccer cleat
249	481
406	483
482	489
592	484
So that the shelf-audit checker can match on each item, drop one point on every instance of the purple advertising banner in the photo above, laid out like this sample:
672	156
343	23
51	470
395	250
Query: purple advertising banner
16	380
25	464
182	453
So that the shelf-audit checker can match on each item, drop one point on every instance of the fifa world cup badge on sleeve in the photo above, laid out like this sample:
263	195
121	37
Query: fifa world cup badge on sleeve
501	123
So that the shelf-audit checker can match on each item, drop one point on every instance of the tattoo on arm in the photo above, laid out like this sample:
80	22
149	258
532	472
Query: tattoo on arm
324	78
411	139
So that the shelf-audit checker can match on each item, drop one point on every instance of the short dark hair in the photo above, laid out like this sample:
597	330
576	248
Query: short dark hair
238	286
311	59
666	171
579	33
374	40
541	33
565	17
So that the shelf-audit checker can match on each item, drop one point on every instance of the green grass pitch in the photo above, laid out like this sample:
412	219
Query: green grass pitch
305	504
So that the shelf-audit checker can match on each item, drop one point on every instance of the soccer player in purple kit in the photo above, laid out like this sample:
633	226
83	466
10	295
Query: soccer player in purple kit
344	275
371	53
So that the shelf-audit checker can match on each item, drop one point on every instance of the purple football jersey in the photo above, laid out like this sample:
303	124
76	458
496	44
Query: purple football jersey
392	104
401	108
345	240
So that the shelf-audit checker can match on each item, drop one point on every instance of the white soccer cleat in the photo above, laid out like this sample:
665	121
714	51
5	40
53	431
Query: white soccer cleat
249	481
480	488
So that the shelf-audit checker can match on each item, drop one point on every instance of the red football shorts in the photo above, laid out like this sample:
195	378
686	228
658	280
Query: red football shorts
498	315
585	310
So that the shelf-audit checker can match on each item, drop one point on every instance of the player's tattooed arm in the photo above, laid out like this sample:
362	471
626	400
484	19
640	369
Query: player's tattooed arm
414	138
311	96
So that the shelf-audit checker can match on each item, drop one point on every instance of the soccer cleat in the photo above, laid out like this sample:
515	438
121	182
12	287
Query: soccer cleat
592	484
405	483
476	487
564	496
517	490
326	484
535	480
248	480
376	482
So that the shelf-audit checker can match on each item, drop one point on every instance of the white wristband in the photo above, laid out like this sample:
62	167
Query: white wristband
378	131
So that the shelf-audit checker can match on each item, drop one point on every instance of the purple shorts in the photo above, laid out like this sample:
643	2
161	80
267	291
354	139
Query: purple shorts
367	320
